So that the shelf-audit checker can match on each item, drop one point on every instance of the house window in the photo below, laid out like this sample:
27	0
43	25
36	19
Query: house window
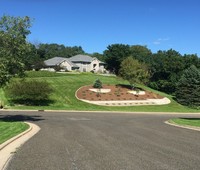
94	65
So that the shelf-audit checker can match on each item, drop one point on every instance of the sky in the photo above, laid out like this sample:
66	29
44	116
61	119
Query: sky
95	24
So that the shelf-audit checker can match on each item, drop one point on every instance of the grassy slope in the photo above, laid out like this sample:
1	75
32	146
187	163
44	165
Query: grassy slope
65	86
3	99
186	121
11	129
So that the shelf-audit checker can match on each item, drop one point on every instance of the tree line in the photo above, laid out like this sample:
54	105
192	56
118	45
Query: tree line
165	67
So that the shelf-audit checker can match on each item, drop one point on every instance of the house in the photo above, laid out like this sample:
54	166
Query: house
83	63
60	63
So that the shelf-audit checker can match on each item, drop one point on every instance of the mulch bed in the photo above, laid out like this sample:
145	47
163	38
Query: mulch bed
119	92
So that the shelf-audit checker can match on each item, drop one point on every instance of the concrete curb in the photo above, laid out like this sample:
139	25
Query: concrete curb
6	143
127	103
9	147
183	126
108	111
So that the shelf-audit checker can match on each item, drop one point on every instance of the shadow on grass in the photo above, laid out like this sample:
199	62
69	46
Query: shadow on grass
189	118
20	118
32	102
128	86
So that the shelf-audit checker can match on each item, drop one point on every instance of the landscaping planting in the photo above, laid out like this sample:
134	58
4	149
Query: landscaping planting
114	92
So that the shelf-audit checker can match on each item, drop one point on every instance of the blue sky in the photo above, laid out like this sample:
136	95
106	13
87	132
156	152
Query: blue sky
95	24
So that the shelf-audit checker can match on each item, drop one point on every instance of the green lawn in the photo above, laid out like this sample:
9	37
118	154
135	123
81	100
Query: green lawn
11	129
186	121
3	100
65	86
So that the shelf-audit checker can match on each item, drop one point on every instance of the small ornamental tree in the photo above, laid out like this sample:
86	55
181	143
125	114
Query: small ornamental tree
133	71
97	84
188	88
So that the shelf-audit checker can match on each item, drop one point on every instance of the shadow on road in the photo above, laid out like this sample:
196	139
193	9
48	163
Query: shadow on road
19	118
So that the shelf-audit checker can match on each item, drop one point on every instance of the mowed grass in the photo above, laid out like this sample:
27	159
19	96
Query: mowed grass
65	85
186	121
11	129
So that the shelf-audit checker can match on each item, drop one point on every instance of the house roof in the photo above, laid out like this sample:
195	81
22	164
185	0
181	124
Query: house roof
54	61
72	64
81	58
58	60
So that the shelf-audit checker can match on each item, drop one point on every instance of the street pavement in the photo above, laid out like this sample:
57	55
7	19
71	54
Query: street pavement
105	141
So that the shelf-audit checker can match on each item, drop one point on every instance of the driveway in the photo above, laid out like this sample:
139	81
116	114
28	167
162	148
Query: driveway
106	141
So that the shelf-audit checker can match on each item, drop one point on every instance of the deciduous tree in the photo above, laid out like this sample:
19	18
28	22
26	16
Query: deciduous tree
134	71
13	46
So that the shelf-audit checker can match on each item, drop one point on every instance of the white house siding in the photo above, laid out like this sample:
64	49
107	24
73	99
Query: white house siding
101	68
96	67
66	65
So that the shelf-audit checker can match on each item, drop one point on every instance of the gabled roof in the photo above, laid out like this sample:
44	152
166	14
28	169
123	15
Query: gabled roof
72	64
81	58
58	60
54	61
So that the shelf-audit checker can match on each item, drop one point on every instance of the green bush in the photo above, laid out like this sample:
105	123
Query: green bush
30	92
97	84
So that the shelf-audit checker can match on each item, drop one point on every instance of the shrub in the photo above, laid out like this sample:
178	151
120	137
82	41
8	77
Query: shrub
97	84
29	92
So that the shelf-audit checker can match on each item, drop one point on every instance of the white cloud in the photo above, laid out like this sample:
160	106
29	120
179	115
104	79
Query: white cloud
160	41
156	42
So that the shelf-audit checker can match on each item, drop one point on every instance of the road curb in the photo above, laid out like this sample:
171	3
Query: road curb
183	126
6	143
108	111
9	147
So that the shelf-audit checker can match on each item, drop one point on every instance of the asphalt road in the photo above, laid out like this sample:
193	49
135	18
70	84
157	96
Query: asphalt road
105	141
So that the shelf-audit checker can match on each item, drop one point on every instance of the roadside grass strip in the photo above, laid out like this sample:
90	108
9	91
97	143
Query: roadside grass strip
186	121
11	129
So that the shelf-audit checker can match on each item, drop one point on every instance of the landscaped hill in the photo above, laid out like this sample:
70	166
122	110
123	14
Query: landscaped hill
66	84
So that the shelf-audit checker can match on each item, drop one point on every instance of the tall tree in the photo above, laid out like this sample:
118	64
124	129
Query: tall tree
114	55
141	53
47	51
134	71
191	59
188	87
13	46
166	68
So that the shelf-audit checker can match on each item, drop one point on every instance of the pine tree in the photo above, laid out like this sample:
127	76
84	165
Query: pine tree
97	84
188	88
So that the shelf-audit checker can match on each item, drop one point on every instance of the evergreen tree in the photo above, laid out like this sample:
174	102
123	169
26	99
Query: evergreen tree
188	87
114	55
97	84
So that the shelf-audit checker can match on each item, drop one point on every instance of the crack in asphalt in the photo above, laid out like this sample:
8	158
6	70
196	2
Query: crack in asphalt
73	161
